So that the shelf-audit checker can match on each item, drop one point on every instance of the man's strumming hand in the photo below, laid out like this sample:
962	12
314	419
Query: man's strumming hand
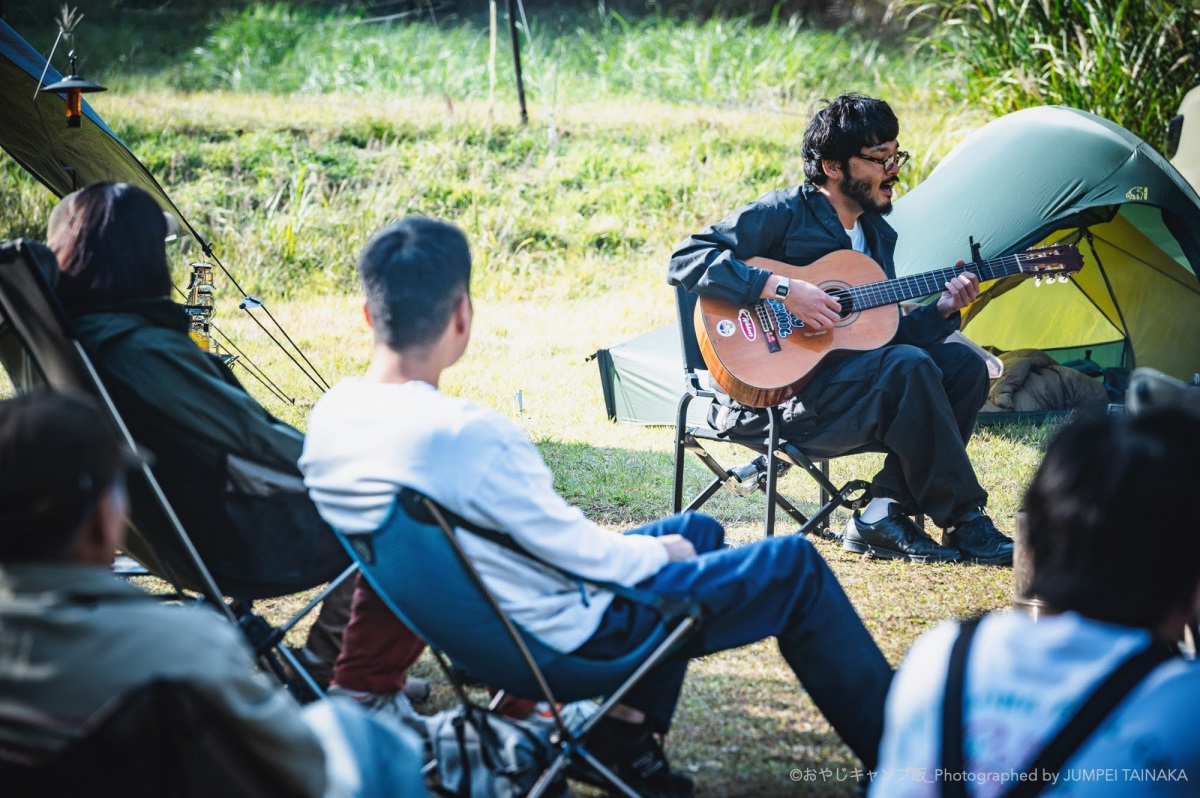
818	310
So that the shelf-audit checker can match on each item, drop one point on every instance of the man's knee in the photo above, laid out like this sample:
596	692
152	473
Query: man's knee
963	372
786	557
905	362
704	531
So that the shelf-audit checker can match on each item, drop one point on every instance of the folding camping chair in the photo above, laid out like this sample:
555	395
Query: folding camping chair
852	495
415	563
38	350
159	741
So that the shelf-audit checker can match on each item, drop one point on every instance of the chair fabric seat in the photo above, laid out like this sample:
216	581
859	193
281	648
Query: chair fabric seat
422	579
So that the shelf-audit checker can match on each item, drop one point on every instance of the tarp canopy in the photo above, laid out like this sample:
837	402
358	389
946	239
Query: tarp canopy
1042	175
1051	175
34	133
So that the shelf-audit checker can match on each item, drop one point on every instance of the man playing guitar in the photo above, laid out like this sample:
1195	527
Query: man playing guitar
916	398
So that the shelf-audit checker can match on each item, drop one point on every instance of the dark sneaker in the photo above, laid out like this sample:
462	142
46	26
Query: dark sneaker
978	540
896	537
635	755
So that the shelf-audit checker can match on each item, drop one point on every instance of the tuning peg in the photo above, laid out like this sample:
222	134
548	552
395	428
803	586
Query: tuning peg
1062	278
1037	281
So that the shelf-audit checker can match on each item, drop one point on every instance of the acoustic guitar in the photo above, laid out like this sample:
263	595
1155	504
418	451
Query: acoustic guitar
761	355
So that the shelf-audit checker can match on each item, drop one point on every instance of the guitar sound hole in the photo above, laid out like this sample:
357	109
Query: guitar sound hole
841	292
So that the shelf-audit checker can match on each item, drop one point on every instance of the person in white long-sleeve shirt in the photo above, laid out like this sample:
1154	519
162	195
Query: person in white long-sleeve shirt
392	428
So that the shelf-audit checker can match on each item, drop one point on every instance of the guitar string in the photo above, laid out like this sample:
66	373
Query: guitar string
887	292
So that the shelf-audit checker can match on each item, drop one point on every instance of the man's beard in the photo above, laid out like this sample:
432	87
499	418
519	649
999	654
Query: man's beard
863	192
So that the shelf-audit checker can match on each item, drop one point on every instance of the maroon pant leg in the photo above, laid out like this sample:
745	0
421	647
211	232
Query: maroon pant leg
377	648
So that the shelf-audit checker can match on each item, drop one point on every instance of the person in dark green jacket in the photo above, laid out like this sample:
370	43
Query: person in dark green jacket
227	465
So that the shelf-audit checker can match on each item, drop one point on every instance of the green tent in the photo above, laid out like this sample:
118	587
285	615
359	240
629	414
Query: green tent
1054	175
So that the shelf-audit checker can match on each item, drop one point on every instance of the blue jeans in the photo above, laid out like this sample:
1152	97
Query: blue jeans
366	757
779	587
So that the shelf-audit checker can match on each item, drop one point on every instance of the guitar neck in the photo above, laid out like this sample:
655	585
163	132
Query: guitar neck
902	289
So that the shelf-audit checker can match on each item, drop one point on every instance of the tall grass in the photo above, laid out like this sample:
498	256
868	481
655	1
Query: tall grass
288	176
569	55
1130	61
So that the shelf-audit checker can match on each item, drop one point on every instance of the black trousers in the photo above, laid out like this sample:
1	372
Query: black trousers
917	405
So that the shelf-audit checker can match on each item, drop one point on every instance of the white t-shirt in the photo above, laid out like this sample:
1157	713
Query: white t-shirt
1025	679
858	239
367	440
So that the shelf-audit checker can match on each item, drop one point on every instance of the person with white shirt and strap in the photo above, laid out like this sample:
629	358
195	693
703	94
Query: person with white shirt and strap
1089	699
915	398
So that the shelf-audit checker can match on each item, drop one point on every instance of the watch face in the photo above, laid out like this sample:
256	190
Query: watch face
781	290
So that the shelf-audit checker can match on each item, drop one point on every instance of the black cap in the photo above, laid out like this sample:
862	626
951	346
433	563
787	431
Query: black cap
58	451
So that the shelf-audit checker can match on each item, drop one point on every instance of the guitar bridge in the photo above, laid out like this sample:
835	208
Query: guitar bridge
766	320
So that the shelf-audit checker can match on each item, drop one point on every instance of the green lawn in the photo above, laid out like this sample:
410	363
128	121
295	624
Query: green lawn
289	140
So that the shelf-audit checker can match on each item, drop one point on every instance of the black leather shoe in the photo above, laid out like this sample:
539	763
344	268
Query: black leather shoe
896	537
979	541
635	755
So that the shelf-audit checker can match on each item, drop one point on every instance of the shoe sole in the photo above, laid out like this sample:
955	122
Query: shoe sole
889	554
1006	560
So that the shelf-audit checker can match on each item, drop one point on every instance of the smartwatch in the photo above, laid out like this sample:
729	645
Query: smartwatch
781	290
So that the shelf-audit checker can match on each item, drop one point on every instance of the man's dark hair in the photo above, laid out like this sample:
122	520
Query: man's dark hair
1107	532
58	454
109	239
844	127
413	273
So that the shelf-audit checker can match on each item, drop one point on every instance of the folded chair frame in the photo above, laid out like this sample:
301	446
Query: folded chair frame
690	438
680	617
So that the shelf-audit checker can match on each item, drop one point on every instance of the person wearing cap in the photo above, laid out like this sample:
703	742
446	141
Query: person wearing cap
74	637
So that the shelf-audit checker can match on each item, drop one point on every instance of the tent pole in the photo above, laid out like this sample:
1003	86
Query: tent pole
1127	354
516	50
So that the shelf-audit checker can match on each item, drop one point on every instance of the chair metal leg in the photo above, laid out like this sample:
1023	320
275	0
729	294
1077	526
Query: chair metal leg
772	476
548	776
680	426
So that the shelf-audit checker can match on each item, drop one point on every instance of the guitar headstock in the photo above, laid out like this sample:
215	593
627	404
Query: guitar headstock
1050	262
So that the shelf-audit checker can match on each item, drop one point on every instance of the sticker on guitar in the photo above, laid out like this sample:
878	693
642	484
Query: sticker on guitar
747	324
785	322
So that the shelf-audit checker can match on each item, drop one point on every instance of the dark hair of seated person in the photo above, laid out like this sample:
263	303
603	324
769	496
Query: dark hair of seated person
109	239
842	129
1111	530
413	273
59	455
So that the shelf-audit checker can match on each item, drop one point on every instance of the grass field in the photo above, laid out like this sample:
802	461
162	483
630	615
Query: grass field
288	140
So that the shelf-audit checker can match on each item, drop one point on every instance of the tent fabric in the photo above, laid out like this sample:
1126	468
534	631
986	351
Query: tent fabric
34	133
643	379
1042	175
1055	175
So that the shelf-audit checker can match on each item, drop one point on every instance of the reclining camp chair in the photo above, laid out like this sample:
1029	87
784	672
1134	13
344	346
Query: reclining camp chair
159	741
38	350
853	495
415	563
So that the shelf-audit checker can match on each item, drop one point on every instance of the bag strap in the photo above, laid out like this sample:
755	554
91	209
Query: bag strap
670	608
953	760
1092	712
1099	705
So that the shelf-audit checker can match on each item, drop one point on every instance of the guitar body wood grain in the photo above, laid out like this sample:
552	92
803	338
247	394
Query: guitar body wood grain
737	349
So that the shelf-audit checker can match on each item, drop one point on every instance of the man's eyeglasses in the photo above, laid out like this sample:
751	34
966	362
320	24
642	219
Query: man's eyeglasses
891	163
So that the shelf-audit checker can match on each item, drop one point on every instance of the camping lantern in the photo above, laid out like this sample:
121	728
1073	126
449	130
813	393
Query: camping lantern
75	87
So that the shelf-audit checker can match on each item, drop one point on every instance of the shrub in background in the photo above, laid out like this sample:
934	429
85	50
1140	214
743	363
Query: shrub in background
1130	61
